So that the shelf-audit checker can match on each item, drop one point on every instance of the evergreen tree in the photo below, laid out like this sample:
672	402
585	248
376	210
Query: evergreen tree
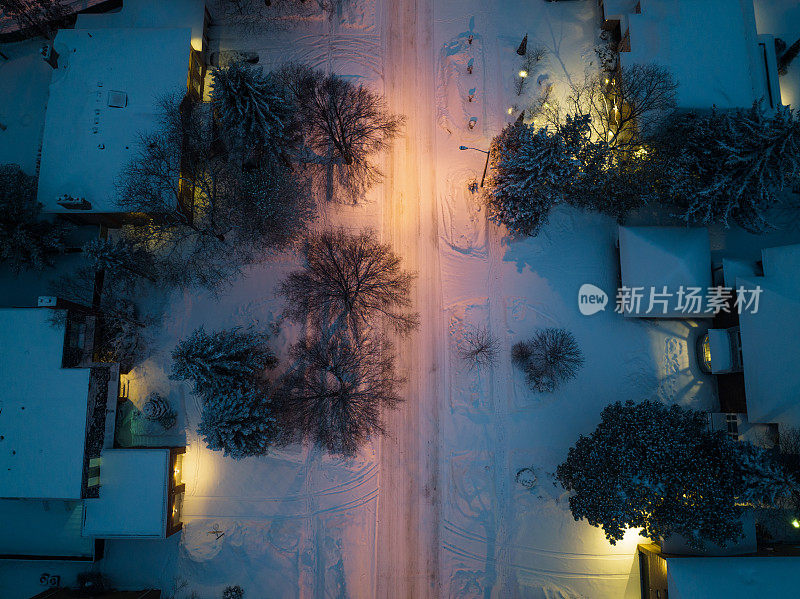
254	108
765	481
532	170
218	362
26	241
536	169
238	421
724	167
661	469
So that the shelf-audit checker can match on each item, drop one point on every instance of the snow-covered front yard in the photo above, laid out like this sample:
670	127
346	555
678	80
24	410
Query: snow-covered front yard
437	508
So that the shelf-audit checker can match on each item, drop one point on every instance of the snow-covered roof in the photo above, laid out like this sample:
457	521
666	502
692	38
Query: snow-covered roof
39	528
782	262
43	409
152	13
658	257
711	48
133	495
732	577
770	350
86	140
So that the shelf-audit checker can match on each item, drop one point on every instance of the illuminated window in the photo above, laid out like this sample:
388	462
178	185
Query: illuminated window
177	471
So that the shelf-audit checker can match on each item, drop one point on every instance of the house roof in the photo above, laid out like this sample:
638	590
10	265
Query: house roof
42	529
732	577
43	409
710	47
769	351
87	141
655	257
133	495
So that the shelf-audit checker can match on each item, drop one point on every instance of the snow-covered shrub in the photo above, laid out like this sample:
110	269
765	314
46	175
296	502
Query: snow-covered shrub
233	592
336	395
723	167
550	358
478	347
218	362
26	241
660	468
239	421
521	354
350	277
254	109
157	409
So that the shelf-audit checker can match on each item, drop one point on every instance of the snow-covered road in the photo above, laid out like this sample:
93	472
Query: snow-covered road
409	500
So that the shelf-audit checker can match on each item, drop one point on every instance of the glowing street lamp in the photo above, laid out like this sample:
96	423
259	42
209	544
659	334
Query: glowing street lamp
523	73
796	523
485	166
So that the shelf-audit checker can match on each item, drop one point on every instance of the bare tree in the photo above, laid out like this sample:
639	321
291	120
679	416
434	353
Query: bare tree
255	16
343	125
41	17
479	347
204	215
550	358
350	278
122	328
335	395
621	106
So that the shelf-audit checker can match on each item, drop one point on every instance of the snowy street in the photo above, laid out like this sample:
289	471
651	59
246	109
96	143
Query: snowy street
436	510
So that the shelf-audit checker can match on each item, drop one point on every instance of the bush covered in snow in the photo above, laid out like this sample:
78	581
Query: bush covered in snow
239	421
532	170
233	592
724	167
478	347
227	369
223	360
661	469
26	241
550	358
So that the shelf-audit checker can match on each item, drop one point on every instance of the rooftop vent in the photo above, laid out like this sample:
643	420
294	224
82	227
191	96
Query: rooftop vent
70	203
47	301
117	99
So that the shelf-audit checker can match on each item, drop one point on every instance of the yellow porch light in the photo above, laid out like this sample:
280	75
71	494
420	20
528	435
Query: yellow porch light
796	523
523	73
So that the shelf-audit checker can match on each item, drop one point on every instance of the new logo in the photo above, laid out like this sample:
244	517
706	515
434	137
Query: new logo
591	299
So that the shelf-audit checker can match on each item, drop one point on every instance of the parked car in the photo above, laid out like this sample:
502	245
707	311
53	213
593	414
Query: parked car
719	351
